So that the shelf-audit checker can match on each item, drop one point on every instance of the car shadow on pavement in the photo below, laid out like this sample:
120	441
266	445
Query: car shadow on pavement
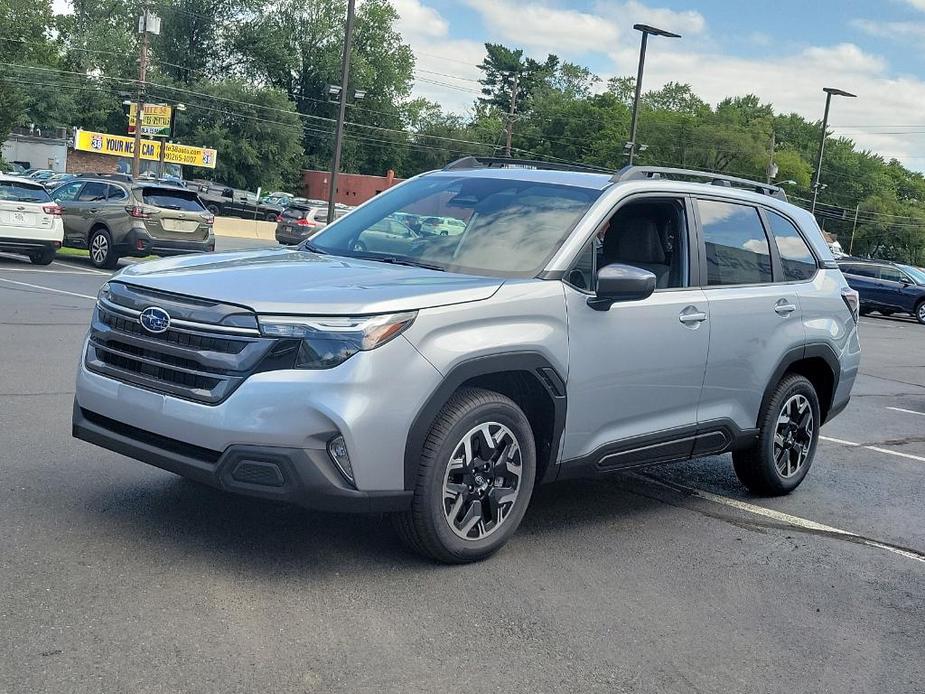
182	518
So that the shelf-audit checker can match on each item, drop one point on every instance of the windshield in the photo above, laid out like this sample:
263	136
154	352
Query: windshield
23	192
491	226
915	273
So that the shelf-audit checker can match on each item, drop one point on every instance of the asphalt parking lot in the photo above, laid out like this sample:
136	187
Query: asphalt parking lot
120	577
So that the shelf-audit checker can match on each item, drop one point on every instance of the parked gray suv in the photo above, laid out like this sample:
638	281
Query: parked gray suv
581	324
113	218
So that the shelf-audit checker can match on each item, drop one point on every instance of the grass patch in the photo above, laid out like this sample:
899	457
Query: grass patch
83	253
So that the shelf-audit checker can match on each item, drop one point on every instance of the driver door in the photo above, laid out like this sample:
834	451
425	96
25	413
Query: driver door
636	370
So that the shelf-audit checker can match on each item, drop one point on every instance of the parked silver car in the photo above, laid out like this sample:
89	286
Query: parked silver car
581	324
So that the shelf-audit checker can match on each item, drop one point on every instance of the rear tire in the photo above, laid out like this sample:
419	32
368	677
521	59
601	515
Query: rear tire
474	479
919	313
102	254
43	257
789	430
214	209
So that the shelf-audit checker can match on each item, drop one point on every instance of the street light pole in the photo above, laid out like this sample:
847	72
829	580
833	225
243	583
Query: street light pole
646	30
342	109
829	93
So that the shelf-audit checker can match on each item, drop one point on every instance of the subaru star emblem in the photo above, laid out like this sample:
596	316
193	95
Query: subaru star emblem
154	319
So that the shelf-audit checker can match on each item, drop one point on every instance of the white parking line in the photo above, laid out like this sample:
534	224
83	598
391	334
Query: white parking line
82	269
48	289
795	521
42	271
875	448
902	409
841	441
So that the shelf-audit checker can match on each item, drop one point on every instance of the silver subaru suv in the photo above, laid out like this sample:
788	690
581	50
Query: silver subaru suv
580	324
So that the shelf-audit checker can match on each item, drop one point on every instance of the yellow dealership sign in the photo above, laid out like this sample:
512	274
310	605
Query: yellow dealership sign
154	123
121	146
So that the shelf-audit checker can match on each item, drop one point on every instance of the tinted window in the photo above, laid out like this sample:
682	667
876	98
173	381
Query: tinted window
22	192
915	273
295	212
796	259
861	270
93	192
172	199
737	248
68	192
116	193
891	274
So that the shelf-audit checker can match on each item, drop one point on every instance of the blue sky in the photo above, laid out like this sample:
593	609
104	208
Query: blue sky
783	51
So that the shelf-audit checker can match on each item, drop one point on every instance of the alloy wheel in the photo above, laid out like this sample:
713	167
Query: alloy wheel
482	481
921	312
99	249
793	436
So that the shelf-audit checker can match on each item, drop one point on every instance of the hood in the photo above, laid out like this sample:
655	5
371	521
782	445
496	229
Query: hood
289	281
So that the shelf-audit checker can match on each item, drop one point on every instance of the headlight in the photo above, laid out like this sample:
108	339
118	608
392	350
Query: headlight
327	341
103	293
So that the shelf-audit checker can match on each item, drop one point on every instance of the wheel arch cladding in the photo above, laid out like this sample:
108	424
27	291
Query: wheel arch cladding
819	364
528	378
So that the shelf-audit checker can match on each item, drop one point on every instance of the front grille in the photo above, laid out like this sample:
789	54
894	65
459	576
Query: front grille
202	363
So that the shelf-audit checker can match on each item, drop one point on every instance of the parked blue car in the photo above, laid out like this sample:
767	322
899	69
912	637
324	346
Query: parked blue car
886	287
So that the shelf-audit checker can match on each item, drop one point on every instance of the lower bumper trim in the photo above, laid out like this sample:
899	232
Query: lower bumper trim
299	476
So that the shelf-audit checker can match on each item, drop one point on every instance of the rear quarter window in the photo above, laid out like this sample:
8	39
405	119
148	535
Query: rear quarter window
15	191
172	199
797	261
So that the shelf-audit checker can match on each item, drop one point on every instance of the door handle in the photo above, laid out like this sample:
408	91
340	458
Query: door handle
784	308
692	315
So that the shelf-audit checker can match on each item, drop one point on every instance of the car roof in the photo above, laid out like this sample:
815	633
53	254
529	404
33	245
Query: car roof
20	179
578	179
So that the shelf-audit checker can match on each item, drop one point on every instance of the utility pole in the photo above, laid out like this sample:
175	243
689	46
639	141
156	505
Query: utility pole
510	115
854	229
772	171
342	109
147	23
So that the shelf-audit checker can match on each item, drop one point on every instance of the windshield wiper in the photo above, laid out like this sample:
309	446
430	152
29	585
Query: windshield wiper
396	260
312	248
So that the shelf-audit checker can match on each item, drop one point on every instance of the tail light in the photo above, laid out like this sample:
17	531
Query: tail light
138	212
52	210
208	219
279	218
853	301
305	222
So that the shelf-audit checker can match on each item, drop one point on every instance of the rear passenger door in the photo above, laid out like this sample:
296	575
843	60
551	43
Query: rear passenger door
755	316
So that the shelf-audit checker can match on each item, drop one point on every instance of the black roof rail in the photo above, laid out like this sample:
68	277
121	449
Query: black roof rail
477	162
633	173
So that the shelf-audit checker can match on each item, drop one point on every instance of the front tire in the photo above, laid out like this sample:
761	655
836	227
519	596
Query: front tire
920	312
474	481
102	254
789	430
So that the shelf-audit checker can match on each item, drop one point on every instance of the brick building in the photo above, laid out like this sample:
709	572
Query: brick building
352	189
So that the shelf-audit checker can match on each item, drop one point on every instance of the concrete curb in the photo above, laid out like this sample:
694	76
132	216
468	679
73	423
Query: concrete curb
244	228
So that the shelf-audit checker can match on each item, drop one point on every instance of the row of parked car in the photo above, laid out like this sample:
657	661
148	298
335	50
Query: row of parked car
886	287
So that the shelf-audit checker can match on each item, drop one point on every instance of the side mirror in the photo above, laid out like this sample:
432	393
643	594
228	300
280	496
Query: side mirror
616	282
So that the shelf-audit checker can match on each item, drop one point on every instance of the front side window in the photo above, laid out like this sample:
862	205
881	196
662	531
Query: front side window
506	227
891	274
917	275
797	261
737	247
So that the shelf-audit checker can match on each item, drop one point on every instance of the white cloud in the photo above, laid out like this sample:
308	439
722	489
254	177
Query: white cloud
545	27
916	4
914	30
686	23
416	19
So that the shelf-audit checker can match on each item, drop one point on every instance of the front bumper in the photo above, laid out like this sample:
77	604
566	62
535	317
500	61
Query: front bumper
279	420
299	476
139	243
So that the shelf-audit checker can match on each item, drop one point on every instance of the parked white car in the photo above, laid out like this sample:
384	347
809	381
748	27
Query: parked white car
30	221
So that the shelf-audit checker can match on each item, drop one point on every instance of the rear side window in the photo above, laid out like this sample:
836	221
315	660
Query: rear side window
172	199
737	247
321	216
15	191
294	212
860	270
93	192
796	259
